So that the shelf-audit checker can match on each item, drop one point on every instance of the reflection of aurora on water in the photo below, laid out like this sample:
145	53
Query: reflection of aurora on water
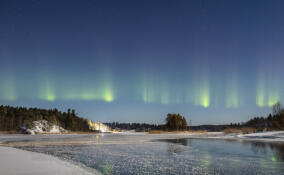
263	148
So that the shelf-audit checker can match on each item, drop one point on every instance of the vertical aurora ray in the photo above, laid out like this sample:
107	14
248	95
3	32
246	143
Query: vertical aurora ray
164	95
101	89
107	93
202	93
105	86
232	93
145	94
260	93
260	98
8	91
165	98
47	90
267	98
273	96
149	95
232	100
201	81
148	91
267	90
205	96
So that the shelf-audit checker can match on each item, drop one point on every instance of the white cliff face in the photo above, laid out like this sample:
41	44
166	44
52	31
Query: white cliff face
44	127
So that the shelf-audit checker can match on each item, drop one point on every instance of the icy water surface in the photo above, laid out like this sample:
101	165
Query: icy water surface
154	154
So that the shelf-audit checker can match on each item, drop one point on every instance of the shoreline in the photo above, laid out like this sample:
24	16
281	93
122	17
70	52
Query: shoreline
15	161
22	140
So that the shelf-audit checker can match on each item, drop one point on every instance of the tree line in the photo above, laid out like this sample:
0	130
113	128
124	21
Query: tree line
138	127
13	118
274	121
173	122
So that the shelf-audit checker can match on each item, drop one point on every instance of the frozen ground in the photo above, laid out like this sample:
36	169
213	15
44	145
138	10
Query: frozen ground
183	153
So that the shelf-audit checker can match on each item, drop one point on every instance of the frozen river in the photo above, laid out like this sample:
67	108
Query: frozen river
158	154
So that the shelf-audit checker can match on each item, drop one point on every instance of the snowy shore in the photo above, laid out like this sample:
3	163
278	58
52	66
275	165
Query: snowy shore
271	136
14	161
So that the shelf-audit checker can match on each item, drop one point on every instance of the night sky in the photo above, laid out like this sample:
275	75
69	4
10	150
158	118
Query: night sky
213	61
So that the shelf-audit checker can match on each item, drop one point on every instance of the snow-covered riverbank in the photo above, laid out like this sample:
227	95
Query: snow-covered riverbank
272	136
14	161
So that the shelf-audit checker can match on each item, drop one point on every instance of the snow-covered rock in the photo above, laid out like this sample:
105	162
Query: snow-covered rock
44	127
29	131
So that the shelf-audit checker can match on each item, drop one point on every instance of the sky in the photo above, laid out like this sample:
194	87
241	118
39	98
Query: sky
213	61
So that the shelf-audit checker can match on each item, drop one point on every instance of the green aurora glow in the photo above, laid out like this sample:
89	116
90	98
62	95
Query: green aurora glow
103	89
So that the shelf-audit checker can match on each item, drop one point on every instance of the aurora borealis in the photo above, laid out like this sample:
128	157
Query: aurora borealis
130	60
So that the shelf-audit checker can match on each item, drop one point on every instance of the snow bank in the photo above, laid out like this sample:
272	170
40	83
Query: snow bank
264	135
14	161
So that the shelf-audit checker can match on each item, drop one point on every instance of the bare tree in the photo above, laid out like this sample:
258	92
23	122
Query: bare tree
277	108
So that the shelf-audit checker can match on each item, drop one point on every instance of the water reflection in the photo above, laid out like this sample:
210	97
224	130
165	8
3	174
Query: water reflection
263	148
174	149
175	146
176	141
274	150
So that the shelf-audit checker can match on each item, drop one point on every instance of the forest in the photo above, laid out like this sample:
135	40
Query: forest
13	118
173	122
272	122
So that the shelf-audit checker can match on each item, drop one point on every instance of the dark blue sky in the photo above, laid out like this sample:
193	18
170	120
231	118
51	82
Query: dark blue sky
136	61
